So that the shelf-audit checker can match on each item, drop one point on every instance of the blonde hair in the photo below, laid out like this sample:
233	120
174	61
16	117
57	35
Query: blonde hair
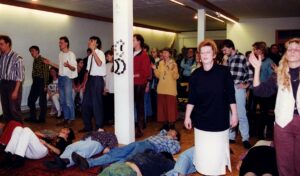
283	68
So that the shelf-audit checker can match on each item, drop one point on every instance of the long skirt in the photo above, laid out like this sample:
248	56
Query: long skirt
166	108
212	153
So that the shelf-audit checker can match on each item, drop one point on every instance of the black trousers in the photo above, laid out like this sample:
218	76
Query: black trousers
258	122
139	92
92	105
38	91
11	108
109	107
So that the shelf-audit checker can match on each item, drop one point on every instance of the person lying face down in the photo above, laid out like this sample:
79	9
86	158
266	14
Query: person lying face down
24	143
147	163
164	141
89	145
259	160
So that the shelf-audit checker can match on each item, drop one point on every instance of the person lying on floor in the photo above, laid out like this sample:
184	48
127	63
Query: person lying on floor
147	163
165	141
260	160
89	145
24	143
184	164
7	131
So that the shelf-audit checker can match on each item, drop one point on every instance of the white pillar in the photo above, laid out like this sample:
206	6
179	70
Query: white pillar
201	26
123	65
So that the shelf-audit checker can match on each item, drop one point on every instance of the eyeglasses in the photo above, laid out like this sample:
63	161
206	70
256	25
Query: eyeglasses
293	50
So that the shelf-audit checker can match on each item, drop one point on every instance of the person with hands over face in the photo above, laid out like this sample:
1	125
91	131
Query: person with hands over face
167	74
92	105
211	98
287	120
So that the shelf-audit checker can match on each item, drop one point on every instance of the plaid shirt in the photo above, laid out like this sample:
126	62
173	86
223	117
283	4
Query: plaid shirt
240	69
40	70
163	143
106	139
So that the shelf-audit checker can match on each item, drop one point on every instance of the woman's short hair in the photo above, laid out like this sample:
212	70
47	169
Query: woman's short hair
211	43
168	50
261	46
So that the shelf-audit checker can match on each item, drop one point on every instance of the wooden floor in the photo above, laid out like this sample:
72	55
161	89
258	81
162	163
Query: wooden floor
187	137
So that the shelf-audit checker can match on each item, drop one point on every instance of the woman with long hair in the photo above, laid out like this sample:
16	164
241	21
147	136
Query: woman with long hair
287	119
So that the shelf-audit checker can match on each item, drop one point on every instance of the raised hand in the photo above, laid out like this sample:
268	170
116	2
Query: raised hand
255	62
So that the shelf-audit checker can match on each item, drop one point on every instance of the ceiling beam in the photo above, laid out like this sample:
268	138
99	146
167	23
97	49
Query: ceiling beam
215	8
74	13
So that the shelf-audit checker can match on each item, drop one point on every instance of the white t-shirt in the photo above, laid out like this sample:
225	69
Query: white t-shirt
97	70
109	78
71	58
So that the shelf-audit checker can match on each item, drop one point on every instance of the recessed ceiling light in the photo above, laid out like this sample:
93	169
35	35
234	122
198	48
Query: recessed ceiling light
34	0
225	17
177	2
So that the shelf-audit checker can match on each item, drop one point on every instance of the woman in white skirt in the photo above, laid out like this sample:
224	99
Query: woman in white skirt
211	97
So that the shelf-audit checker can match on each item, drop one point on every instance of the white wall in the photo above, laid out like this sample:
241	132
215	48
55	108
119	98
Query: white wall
248	31
29	27
156	38
189	39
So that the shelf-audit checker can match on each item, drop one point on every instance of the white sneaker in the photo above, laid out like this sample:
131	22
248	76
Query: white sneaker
58	113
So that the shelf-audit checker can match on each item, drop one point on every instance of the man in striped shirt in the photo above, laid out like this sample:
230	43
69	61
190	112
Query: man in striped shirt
12	73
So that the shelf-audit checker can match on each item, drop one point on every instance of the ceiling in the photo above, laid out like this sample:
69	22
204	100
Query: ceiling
168	15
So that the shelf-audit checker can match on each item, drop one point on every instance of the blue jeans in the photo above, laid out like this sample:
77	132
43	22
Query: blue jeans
240	96
85	148
66	98
184	165
121	153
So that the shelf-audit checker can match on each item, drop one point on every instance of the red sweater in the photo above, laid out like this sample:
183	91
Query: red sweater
141	66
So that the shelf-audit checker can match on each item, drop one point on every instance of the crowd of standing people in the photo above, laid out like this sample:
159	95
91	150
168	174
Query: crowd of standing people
226	89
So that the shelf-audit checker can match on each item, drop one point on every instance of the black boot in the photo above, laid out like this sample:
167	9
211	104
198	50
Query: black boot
18	162
7	161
